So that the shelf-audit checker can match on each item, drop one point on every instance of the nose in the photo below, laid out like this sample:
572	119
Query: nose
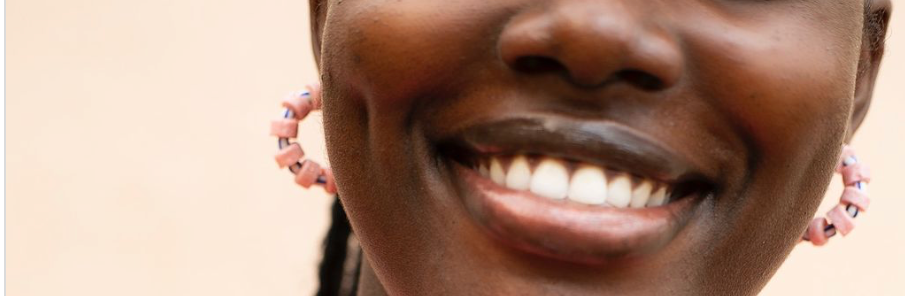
594	43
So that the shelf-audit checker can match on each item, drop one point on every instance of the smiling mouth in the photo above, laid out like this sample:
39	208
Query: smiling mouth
577	192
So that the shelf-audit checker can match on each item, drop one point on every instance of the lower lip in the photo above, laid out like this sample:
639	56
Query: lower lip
566	231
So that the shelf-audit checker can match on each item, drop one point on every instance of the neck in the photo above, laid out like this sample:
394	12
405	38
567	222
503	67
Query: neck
368	284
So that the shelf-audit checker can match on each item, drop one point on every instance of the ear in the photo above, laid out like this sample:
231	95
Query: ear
876	20
317	11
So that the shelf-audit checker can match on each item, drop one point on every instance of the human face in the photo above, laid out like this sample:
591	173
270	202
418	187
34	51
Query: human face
738	108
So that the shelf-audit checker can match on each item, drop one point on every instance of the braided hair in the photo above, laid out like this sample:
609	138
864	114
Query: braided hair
334	267
875	23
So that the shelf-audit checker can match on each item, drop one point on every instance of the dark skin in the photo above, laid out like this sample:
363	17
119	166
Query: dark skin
758	96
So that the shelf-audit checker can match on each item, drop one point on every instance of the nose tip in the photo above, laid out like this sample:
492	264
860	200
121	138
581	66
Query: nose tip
592	44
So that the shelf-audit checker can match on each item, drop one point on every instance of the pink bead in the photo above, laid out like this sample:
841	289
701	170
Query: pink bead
856	197
307	175
290	155
840	218
299	105
855	173
815	231
847	152
316	98
330	187
284	128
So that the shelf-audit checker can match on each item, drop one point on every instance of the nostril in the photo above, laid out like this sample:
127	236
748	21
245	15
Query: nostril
541	65
537	65
641	79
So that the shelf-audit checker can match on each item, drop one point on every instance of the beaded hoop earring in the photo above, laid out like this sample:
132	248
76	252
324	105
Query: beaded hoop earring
307	172
854	200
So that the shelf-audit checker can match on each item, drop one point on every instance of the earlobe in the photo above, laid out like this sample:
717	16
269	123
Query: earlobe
876	20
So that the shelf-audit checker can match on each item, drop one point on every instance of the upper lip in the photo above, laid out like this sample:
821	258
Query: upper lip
603	143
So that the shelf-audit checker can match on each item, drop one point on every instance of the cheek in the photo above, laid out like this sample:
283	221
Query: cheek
393	51
787	83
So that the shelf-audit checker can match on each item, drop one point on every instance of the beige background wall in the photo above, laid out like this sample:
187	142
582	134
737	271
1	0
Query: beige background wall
138	161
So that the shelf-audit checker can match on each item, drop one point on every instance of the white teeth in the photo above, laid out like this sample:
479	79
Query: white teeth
641	194
519	175
496	172
588	185
483	170
550	179
620	192
658	198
